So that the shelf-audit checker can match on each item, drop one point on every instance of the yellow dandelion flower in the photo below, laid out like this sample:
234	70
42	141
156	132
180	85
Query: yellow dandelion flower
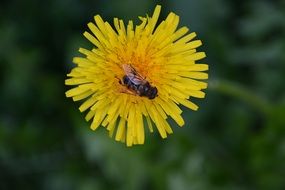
137	76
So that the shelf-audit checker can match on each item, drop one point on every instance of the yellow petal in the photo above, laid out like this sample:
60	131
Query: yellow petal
139	126
121	129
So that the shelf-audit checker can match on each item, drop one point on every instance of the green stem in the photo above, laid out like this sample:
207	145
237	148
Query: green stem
238	91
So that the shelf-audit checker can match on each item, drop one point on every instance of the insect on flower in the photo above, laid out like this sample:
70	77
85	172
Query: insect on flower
138	77
136	83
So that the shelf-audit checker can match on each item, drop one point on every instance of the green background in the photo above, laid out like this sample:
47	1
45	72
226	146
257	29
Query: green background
234	141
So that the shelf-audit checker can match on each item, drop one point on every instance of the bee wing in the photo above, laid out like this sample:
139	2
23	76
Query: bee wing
133	75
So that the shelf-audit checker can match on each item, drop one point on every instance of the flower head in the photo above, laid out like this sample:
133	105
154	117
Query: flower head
118	76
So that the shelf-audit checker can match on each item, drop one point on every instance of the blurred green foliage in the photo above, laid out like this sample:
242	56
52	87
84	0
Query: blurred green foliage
235	141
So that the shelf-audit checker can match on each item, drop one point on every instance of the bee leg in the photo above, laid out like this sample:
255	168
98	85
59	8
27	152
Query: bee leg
127	91
120	81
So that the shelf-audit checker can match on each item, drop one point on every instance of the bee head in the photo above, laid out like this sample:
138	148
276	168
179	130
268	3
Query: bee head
152	93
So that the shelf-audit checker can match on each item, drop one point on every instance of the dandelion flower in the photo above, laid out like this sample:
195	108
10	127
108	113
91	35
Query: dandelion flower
163	56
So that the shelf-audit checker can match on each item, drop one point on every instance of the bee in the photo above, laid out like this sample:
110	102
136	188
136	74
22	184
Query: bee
136	83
